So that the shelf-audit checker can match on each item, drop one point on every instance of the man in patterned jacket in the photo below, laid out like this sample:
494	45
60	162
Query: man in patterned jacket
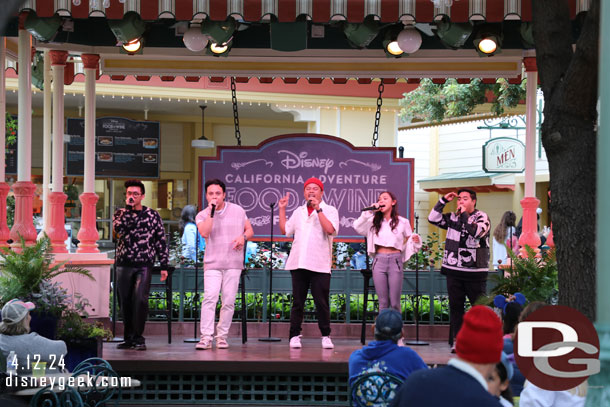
141	237
466	256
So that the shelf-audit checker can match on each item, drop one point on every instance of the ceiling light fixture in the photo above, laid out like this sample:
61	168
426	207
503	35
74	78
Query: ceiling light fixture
42	28
202	142
219	32
488	40
409	40
453	35
133	47
194	40
360	35
131	27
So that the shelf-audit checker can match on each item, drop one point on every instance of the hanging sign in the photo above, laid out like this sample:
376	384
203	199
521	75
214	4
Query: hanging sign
504	154
353	178
123	148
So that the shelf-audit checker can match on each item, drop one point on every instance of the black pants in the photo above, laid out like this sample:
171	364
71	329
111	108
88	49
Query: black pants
302	280
458	289
133	285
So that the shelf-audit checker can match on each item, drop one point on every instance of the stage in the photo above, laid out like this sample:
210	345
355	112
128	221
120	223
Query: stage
254	373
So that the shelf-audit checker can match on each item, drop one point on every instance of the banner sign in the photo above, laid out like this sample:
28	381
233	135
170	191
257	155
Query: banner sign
123	148
504	154
353	178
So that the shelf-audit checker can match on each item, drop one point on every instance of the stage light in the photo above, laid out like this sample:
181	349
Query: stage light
219	49
194	40
527	35
38	71
43	29
409	40
488	40
131	27
360	35
288	37
133	47
219	32
453	35
393	48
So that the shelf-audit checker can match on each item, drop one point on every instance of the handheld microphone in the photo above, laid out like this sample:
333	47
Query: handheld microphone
372	208
130	200
213	210
309	203
271	205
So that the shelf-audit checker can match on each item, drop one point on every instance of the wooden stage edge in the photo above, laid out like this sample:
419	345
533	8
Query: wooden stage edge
253	356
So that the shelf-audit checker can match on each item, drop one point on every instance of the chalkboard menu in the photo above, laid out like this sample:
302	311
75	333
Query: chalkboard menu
123	148
11	159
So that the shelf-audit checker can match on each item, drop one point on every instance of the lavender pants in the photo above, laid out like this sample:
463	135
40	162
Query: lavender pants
387	276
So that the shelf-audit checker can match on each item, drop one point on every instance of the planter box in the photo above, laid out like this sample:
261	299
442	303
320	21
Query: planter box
82	349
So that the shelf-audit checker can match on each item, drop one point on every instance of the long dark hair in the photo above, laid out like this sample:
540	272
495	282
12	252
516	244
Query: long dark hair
508	220
187	216
503	375
379	216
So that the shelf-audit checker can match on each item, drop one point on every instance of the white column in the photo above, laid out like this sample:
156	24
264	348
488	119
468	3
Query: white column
46	141
89	157
58	127
530	133
24	117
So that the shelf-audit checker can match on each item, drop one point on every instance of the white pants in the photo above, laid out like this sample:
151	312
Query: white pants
215	282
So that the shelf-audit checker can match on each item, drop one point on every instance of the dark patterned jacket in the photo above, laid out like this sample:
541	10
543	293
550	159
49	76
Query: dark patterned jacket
467	244
141	237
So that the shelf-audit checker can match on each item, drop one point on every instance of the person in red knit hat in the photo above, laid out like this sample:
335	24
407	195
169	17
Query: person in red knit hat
463	382
313	226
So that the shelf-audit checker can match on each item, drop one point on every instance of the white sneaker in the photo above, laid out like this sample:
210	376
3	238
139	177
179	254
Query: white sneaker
295	342
327	343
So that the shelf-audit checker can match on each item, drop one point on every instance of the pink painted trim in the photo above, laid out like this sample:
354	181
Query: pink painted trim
24	223
57	231
88	233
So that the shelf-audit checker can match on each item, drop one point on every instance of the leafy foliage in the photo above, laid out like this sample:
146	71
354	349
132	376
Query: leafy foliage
431	253
534	277
27	275
433	102
73	325
11	129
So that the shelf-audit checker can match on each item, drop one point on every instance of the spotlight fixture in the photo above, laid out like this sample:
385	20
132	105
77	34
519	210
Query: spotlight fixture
409	40
219	50
133	47
42	28
360	35
288	37
393	48
219	32
38	71
194	40
453	35
488	40
131	27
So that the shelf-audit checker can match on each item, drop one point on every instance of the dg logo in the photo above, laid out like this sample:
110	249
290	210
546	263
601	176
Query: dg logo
557	348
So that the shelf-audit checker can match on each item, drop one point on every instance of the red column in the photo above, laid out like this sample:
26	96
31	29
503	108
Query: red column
23	227
4	230
88	234
57	199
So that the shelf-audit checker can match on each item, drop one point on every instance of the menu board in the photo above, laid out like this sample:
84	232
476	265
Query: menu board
11	159
123	148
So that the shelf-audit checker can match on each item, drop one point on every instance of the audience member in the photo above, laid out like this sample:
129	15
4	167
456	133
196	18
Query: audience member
534	396
499	381
384	354
28	346
504	236
463	383
511	311
192	241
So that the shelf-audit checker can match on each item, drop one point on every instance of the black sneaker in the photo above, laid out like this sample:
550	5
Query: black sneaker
125	345
139	346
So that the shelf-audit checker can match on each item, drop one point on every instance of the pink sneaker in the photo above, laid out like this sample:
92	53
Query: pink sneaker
327	343
295	342
221	343
203	344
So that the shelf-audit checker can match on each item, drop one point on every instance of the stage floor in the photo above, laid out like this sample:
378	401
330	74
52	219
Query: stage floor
253	355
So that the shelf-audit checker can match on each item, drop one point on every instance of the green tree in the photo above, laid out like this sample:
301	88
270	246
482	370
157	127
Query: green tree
433	102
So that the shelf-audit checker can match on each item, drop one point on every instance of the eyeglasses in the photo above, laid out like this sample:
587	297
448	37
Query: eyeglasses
134	194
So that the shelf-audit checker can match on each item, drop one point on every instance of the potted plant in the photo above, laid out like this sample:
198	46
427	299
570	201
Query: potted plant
534	277
83	338
28	275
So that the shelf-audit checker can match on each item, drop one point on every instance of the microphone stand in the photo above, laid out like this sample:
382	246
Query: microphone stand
195	338
270	338
114	298
417	342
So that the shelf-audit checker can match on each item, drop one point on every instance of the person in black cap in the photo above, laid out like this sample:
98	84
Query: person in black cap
384	354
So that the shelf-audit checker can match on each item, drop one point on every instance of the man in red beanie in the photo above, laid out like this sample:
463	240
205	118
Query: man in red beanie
313	226
463	382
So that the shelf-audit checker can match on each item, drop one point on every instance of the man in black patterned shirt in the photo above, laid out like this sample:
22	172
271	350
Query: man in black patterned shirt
141	237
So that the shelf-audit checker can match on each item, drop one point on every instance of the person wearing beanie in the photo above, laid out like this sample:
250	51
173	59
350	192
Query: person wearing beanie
313	226
466	255
463	382
384	354
15	336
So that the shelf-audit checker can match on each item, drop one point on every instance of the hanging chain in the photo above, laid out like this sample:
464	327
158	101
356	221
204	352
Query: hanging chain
378	114
235	114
